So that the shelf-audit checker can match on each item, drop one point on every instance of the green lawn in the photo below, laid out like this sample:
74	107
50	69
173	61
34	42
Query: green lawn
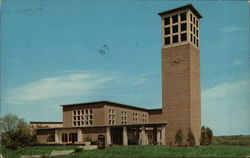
140	151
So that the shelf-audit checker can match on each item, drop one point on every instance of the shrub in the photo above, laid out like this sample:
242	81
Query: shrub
179	137
15	133
206	136
51	138
87	139
190	138
77	150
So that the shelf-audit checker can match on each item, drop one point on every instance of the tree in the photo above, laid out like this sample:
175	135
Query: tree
190	138
9	123
206	136
15	132
179	137
209	133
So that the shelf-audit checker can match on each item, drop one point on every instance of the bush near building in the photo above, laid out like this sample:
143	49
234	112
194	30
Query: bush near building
179	137
15	133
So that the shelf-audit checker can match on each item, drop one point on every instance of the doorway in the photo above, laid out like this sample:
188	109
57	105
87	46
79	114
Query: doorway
116	136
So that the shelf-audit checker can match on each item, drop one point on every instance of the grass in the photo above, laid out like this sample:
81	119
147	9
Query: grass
32	150
139	151
232	140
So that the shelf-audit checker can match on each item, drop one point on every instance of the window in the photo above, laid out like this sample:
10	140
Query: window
197	25
194	29
167	21
64	137
167	30
175	19
175	28
194	39
183	36
82	117
183	16
191	17
183	27
191	37
167	40
197	33
194	20
144	118
197	43
175	38
111	116
135	118
124	117
191	27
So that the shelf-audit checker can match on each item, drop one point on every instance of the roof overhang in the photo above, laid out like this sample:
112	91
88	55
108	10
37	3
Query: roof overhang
188	6
157	124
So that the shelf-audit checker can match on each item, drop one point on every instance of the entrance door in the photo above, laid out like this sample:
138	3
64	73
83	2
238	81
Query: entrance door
72	137
116	136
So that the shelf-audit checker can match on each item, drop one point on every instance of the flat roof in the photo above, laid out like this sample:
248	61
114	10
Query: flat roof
46	122
188	6
108	102
156	124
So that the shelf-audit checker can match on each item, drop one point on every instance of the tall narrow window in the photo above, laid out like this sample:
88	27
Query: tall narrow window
183	16
167	21
183	36
167	40
191	27
175	19
175	28
167	30
197	43
183	27
175	39
191	37
191	17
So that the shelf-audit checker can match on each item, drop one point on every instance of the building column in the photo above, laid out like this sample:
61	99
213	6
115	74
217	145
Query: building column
125	136
163	137
158	139
108	135
143	135
79	135
57	136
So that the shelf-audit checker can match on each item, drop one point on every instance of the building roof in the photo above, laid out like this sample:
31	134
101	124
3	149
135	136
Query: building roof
108	102
155	124
46	122
188	6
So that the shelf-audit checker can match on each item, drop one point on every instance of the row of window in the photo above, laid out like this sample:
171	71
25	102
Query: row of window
111	116
175	28
124	117
85	111
194	20
82	117
175	19
175	38
83	123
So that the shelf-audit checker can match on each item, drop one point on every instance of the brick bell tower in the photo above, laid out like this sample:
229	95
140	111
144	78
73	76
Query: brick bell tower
181	72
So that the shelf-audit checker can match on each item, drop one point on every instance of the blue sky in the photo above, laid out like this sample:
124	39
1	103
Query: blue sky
50	55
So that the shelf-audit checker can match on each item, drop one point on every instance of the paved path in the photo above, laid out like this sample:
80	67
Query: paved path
61	152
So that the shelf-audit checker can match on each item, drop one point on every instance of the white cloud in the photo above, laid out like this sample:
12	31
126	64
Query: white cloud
60	86
226	108
141	79
237	62
231	28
